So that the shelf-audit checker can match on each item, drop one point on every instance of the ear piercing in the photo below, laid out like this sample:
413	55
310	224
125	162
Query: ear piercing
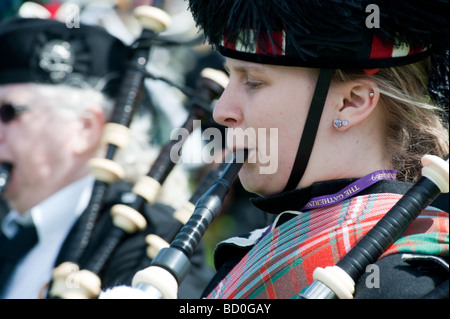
338	123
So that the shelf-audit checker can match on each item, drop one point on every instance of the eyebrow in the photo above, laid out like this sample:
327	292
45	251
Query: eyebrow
243	68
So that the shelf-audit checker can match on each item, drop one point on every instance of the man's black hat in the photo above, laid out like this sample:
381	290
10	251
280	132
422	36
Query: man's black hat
49	51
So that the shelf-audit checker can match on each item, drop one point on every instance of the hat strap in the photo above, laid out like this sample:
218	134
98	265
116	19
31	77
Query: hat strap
310	128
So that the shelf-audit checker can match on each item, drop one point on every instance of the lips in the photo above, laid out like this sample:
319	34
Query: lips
238	138
242	154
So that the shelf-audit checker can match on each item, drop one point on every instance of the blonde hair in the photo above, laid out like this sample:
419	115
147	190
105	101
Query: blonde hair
414	125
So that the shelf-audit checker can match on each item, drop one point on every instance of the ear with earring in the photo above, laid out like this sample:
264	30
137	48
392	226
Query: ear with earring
339	123
342	123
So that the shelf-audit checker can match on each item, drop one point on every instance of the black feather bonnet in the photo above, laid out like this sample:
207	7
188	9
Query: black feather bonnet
330	33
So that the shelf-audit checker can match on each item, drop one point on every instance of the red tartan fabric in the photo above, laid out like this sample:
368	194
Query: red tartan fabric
281	264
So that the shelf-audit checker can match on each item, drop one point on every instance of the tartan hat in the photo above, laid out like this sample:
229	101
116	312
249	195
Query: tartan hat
48	51
334	34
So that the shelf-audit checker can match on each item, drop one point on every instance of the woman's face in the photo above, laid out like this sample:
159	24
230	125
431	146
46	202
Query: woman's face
268	104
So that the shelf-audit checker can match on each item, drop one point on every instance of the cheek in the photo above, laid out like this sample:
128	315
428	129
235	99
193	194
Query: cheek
42	146
35	156
282	110
30	163
268	169
283	127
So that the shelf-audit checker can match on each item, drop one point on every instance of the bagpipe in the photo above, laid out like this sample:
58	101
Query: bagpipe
339	281
115	136
184	213
168	268
127	219
171	263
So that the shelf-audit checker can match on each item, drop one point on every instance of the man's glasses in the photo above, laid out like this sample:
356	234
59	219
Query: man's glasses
9	112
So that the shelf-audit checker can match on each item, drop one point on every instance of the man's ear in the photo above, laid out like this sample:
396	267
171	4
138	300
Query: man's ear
90	130
358	101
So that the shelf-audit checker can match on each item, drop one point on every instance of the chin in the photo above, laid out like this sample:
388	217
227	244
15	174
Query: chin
262	185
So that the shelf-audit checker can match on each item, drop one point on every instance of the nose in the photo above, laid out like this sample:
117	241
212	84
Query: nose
227	110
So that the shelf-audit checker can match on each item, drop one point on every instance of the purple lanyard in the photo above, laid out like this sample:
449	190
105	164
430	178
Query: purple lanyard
346	192
350	190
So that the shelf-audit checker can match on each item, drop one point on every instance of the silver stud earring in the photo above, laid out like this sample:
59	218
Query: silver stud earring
371	94
338	123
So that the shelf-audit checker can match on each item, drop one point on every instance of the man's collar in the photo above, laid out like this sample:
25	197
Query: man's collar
58	211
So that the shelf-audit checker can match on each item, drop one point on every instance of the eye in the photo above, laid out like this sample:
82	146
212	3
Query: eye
253	84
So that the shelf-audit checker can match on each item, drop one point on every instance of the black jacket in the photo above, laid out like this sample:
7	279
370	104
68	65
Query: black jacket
130	255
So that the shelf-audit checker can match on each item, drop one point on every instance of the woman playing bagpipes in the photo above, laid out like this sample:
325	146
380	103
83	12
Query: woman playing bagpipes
353	95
